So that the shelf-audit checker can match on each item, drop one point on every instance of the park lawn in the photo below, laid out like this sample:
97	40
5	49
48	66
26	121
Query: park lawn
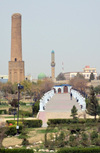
21	107
35	135
26	108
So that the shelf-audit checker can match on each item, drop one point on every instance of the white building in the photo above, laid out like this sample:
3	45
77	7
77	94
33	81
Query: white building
86	73
3	78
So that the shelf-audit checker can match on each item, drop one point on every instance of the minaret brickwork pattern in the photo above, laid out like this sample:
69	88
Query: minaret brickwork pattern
16	65
53	65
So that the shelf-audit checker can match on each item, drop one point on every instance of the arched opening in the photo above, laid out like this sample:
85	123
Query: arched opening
65	89
59	90
54	90
15	59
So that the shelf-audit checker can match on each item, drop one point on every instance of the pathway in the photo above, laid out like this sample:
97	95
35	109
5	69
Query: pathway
58	107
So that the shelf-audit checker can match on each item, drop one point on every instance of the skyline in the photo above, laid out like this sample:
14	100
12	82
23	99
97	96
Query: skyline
70	28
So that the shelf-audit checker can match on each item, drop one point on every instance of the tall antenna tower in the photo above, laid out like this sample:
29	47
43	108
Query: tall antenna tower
62	67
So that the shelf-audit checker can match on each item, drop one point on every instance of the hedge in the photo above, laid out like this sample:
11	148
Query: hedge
28	123
70	121
13	131
11	121
79	150
12	111
3	111
25	113
33	123
16	151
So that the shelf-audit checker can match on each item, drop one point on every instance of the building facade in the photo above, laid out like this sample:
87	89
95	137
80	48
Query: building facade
86	73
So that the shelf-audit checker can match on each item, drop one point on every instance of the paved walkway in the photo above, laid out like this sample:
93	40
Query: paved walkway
61	102
58	107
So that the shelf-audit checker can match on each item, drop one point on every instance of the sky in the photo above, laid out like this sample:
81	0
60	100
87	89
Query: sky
69	27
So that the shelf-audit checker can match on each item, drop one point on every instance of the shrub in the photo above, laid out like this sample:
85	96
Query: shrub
96	142
84	141
94	135
28	123
79	150
12	111
3	111
13	131
16	151
35	108
25	142
70	121
11	121
32	123
73	142
22	103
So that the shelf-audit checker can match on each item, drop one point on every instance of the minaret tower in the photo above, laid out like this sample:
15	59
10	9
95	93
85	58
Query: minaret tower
16	65
53	65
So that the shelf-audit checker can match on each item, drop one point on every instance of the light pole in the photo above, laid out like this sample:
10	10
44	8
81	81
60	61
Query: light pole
19	88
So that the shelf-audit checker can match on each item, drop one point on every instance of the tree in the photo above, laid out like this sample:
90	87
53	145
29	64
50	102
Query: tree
99	111
24	136
92	106
60	77
97	89
79	83
98	77
74	112
7	88
3	130
27	86
80	76
91	76
14	103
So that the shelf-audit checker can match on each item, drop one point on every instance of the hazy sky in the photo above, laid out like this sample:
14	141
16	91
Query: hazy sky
69	27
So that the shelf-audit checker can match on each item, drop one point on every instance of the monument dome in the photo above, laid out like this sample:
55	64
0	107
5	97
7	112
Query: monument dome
41	76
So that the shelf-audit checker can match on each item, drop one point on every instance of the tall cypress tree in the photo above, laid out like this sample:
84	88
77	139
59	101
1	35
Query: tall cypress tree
74	112
91	76
92	107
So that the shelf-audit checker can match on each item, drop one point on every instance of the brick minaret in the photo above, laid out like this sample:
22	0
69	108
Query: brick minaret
53	65
16	65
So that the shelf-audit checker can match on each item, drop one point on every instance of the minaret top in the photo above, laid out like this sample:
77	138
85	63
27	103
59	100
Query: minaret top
52	51
16	15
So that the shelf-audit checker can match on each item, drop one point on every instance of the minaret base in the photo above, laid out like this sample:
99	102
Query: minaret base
16	71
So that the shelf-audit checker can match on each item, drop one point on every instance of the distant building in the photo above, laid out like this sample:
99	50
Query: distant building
28	77
3	78
86	73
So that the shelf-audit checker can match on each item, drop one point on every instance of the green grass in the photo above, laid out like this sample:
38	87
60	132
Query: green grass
49	131
20	116
4	106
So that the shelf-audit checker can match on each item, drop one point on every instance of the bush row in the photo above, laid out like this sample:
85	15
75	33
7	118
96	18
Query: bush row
3	103
69	121
3	111
16	151
28	123
33	123
79	150
21	112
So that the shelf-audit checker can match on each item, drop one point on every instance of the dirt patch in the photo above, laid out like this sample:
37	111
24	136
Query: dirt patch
12	141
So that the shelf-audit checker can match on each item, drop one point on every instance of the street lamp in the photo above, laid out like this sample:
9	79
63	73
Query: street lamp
19	88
